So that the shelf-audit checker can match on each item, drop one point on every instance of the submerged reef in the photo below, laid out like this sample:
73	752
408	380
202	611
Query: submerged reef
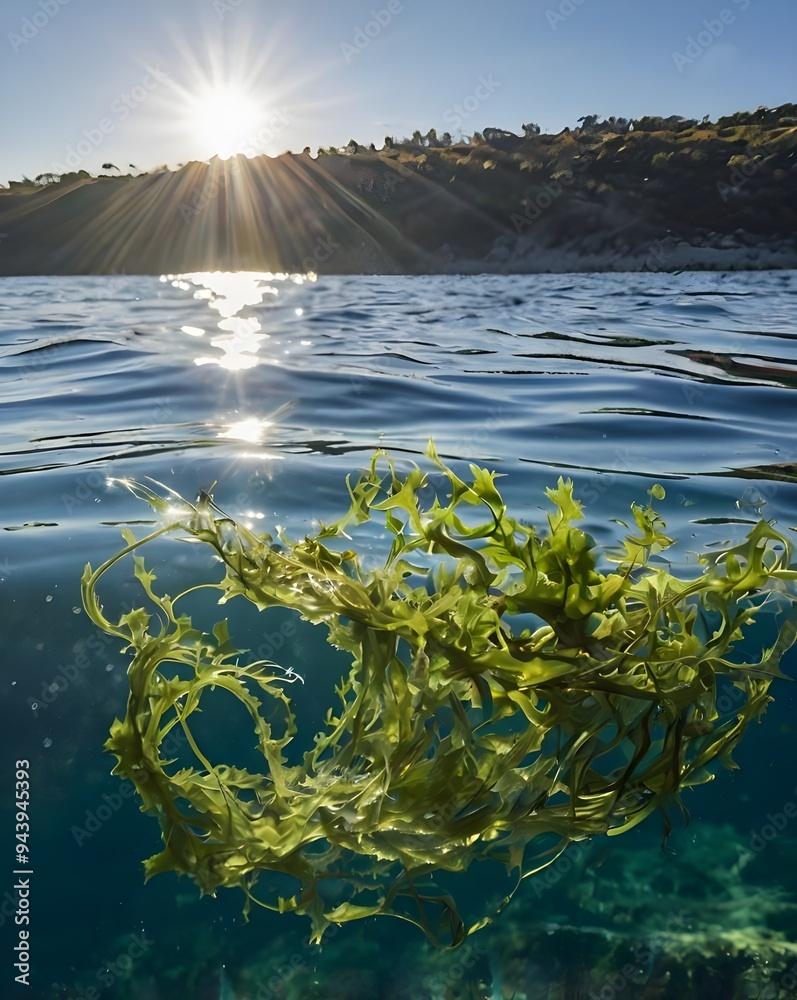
621	919
513	690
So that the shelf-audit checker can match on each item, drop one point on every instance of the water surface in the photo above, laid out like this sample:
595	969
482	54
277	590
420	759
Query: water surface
275	388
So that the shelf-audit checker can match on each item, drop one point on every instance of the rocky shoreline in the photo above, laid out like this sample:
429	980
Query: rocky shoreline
703	251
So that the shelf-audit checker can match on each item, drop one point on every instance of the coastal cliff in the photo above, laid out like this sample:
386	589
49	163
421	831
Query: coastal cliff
665	194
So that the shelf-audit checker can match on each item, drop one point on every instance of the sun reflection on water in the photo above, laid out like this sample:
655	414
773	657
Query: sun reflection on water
230	294
239	305
251	430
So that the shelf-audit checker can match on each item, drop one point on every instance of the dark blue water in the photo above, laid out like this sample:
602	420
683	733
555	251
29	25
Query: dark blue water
276	389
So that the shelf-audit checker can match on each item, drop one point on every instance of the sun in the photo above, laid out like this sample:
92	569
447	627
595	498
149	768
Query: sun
223	119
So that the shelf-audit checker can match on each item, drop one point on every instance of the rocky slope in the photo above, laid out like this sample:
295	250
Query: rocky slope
717	196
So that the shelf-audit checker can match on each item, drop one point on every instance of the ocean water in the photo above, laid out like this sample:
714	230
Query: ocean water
275	388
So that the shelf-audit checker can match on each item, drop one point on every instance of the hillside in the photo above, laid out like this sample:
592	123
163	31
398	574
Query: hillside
665	195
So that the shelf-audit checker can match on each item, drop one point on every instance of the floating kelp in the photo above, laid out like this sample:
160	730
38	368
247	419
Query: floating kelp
459	735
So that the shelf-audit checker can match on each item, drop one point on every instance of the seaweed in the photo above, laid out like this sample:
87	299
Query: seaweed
459	736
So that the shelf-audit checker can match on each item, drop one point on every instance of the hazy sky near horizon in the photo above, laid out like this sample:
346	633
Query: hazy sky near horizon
165	81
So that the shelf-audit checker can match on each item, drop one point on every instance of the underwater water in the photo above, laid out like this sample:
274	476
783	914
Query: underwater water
275	388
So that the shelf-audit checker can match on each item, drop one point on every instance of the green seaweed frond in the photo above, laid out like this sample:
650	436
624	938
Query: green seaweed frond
458	735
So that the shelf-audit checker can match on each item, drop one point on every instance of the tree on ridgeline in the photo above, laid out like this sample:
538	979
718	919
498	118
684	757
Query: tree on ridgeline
492	135
619	126
417	138
530	129
588	122
431	137
655	123
445	139
110	166
388	142
771	117
352	147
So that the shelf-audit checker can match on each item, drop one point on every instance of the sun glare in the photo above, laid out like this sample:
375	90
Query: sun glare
223	120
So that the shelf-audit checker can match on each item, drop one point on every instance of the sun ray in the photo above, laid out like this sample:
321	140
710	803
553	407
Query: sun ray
223	117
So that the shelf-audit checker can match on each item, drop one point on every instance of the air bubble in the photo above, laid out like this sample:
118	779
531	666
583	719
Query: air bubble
75	611
48	743
48	598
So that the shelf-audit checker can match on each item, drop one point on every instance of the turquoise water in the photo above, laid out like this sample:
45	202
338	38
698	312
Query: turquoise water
276	388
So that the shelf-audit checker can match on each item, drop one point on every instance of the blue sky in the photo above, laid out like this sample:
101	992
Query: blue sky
79	84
